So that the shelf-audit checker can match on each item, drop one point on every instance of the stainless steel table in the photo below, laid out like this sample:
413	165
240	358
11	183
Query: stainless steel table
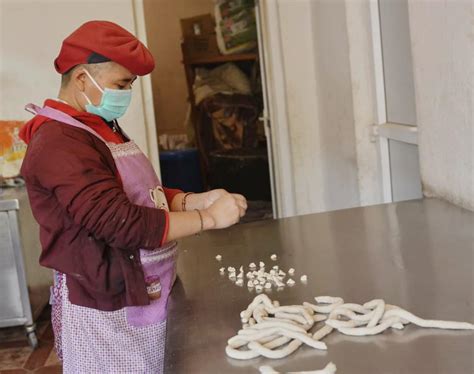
416	254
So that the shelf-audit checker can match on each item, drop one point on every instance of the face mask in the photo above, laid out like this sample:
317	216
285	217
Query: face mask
113	105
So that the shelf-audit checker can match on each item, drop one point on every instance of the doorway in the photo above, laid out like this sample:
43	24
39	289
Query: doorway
210	98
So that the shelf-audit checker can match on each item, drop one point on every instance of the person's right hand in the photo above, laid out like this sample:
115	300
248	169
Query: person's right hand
225	211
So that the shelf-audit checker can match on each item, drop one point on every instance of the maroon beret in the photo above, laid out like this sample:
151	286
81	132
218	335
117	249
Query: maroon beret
100	41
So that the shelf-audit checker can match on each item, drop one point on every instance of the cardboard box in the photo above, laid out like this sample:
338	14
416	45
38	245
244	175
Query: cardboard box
200	47
198	26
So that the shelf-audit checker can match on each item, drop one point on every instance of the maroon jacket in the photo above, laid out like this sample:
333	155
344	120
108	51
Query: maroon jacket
89	229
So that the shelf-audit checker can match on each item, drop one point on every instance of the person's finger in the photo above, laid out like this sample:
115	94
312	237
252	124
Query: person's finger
238	196
242	205
240	199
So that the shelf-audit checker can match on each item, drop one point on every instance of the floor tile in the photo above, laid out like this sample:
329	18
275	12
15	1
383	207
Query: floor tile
14	358
56	369
52	359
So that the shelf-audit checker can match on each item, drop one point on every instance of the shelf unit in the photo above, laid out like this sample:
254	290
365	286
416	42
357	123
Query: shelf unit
190	64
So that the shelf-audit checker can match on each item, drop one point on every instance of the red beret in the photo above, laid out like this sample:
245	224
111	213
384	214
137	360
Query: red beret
100	41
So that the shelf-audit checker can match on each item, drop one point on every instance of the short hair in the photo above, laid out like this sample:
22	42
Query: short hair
94	69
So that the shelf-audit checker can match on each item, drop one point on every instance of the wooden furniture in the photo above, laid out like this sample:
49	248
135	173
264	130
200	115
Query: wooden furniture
206	61
209	61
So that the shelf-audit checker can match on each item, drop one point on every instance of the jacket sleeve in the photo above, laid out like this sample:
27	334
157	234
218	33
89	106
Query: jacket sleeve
170	194
78	170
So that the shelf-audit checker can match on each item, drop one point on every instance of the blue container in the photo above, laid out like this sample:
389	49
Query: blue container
181	169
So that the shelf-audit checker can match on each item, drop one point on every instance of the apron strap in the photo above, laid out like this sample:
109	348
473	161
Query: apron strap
59	116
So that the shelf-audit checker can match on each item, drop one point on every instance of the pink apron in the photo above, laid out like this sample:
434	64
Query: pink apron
142	186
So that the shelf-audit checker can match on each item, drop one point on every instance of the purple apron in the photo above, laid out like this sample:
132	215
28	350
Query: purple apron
143	187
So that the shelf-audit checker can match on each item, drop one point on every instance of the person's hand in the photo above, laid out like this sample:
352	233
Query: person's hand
209	197
226	211
241	202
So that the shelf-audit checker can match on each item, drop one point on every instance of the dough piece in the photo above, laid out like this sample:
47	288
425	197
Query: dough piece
274	257
427	323
218	257
328	369
275	331
278	282
272	330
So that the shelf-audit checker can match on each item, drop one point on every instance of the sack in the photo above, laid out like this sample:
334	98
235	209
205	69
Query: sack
226	79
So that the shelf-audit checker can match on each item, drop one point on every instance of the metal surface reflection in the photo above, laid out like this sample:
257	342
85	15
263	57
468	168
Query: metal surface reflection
416	254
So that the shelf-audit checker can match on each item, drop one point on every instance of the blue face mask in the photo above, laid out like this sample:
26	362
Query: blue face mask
113	105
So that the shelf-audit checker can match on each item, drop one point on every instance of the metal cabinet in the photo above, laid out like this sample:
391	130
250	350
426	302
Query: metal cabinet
24	284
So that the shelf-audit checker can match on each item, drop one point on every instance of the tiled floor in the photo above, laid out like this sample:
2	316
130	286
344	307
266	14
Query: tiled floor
17	357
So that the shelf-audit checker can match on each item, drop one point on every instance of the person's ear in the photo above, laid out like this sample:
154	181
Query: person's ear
78	79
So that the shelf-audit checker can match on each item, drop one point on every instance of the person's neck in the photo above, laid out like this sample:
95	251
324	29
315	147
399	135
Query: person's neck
69	99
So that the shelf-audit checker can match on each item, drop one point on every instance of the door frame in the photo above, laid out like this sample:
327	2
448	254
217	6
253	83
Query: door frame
277	129
381	108
147	91
383	130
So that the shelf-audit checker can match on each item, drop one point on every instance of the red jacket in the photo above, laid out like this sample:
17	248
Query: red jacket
89	229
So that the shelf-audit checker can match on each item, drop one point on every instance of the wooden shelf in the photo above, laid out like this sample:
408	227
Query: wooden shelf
189	65
220	59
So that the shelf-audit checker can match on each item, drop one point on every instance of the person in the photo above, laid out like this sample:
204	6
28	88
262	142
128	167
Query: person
108	227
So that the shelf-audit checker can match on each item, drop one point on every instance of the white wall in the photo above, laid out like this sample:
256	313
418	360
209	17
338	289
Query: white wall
330	100
442	41
329	104
31	36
